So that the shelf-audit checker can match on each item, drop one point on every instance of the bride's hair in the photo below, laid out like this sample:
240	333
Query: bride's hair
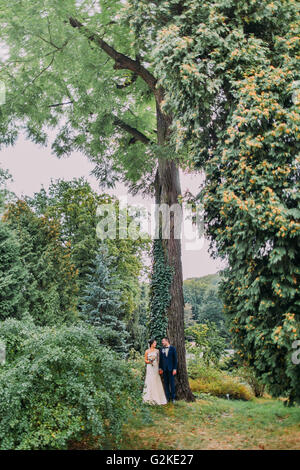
151	341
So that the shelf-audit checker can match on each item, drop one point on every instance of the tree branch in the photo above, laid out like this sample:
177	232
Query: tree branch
41	72
60	104
59	48
121	60
137	135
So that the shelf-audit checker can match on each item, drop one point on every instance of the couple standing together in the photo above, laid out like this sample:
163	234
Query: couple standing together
160	362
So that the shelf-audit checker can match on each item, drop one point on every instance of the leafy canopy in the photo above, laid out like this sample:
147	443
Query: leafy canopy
57	77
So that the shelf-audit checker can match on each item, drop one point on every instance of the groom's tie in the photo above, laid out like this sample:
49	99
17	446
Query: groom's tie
166	351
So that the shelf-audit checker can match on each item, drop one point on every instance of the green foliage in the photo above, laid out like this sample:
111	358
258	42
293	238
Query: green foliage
73	204
129	255
13	274
161	279
57	78
208	342
231	362
60	384
202	294
188	315
50	294
205	379
248	375
231	72
137	324
101	306
136	361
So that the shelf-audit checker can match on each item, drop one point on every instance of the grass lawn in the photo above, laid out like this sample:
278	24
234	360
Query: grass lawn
215	423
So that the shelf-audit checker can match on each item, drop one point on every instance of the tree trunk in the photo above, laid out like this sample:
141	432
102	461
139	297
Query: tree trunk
167	190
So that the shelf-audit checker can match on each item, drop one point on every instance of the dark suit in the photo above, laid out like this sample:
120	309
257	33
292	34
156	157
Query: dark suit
168	364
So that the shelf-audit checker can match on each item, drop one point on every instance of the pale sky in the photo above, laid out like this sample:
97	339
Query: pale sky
32	166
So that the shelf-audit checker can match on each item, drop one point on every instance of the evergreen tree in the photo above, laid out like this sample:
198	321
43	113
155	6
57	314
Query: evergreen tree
102	307
51	288
13	275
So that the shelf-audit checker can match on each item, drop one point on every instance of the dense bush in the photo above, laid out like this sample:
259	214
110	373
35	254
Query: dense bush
204	379
58	384
243	371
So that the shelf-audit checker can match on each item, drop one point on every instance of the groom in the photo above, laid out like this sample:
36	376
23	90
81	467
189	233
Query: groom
168	367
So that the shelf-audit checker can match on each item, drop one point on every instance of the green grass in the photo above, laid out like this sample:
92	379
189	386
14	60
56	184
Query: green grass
215	423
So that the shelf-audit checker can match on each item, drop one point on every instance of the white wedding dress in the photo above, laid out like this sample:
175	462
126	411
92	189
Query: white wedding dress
153	393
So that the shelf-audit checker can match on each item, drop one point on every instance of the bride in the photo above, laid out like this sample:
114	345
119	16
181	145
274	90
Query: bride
153	389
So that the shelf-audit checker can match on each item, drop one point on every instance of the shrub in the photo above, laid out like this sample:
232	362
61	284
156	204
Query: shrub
221	388
248	375
210	380
59	384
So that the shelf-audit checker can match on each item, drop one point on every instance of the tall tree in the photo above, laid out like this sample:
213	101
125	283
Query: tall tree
13	275
50	294
85	67
101	305
231	71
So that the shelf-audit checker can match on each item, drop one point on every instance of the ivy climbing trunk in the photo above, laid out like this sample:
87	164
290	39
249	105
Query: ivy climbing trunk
167	191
